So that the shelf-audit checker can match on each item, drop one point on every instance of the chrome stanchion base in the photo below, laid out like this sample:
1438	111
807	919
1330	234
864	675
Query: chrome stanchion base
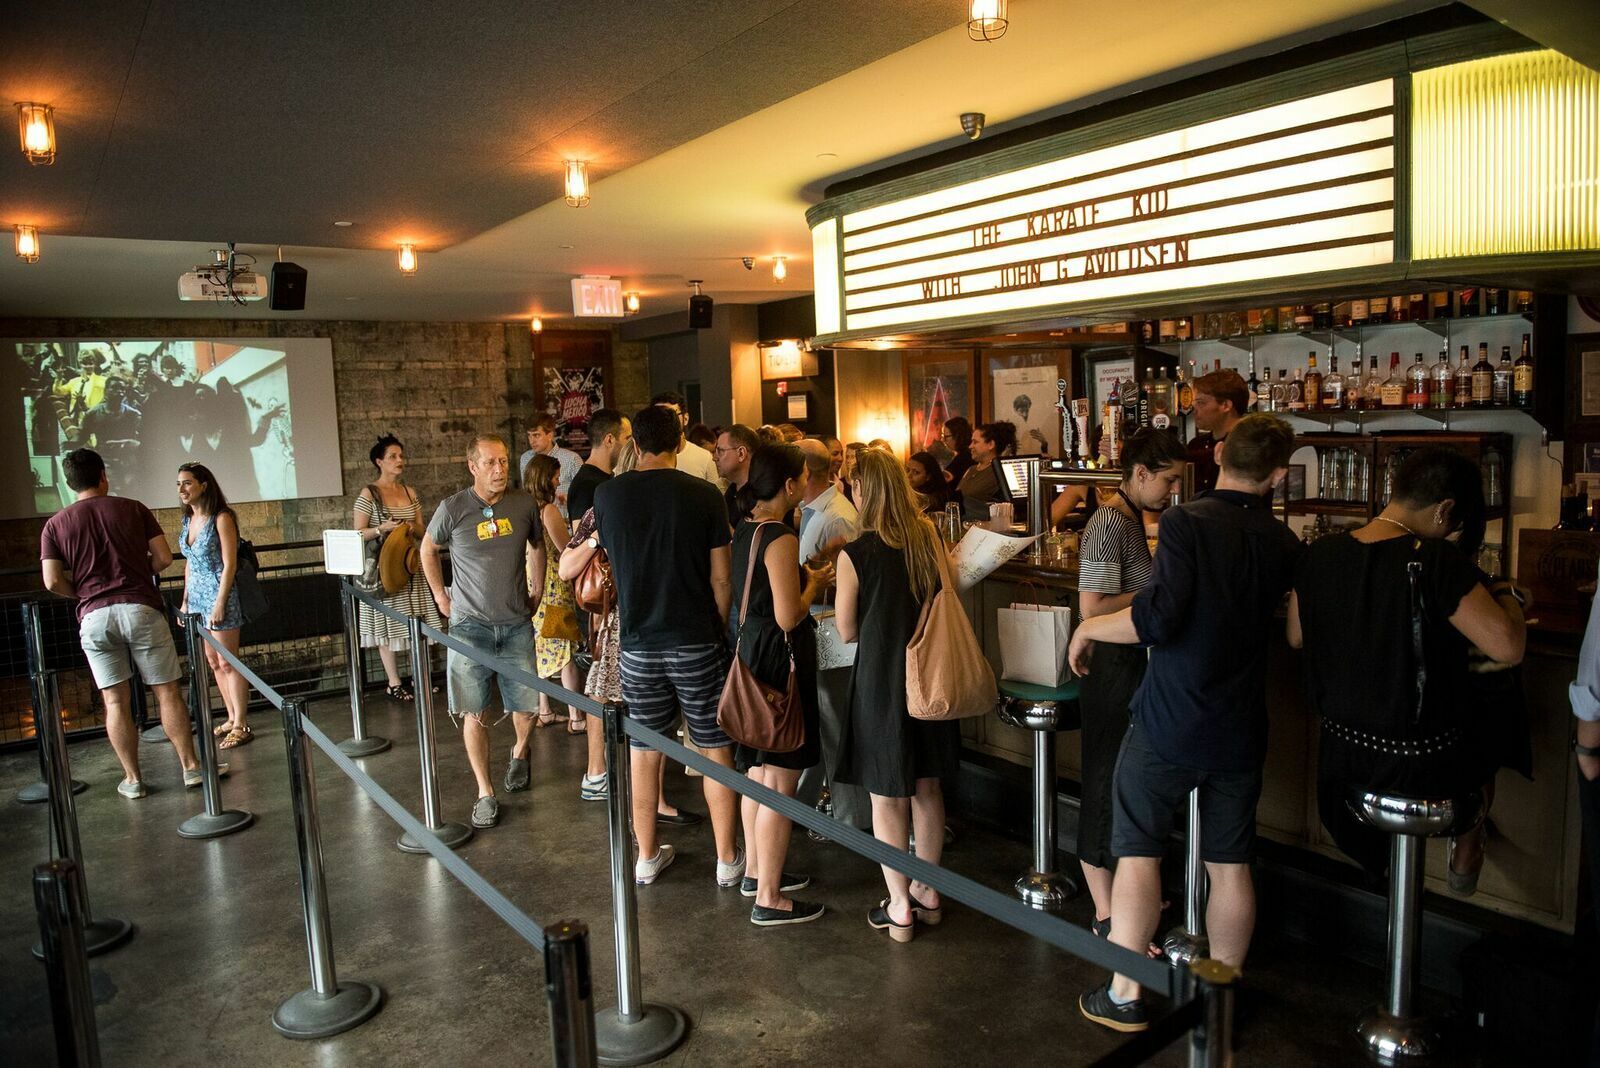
1045	890
1390	1040
451	834
368	746
310	1015
40	791
1183	948
656	1033
99	936
206	825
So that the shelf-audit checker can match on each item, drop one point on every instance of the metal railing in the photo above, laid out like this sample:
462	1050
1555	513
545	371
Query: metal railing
636	1031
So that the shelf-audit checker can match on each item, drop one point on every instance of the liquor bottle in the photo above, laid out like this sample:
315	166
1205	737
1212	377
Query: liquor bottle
1333	386
1378	310
1286	319
1253	384
1186	389
1463	390
1524	301
1444	381
1280	391
1167	329
1263	390
1322	316
1350	312
1303	317
1417	385
1482	378
1467	302
1355	387
1439	304
1394	387
1111	424
1161	400
1374	398
1312	395
1492	298
1297	392
1399	309
1252	321
1500	391
1522	377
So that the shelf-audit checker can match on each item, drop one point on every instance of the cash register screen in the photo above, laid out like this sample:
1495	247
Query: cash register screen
1014	476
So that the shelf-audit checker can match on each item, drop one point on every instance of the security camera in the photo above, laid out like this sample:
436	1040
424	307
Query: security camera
972	124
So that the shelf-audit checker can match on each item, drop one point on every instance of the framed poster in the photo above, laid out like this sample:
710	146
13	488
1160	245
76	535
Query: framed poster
1022	391
1102	371
939	385
1581	440
570	395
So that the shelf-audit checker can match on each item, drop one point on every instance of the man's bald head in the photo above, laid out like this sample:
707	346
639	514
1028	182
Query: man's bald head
818	458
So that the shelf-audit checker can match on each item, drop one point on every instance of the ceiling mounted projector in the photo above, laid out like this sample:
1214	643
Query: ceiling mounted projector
224	279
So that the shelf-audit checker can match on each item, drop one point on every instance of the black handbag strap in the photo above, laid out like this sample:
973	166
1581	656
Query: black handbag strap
1414	578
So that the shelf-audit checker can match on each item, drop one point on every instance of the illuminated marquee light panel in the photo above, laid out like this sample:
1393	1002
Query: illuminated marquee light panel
1296	188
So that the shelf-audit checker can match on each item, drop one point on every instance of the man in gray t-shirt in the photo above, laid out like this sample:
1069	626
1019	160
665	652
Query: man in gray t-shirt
489	606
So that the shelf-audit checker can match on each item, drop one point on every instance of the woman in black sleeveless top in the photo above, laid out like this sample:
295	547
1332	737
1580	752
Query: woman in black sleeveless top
774	626
885	577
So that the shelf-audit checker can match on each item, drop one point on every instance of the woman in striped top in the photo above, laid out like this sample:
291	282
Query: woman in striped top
1114	563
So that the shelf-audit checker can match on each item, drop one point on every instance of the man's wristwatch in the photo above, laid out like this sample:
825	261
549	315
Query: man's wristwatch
1585	750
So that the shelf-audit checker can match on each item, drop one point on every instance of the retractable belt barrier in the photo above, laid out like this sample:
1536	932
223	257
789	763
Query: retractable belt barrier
1203	990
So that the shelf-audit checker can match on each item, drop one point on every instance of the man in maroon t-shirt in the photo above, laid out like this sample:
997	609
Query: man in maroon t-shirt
113	547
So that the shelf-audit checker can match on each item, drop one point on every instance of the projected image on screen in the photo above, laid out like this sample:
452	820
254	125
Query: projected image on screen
149	406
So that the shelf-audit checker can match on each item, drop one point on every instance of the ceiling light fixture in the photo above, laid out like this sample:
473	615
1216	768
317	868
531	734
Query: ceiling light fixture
986	20
27	241
972	124
36	123
577	183
631	305
537	326
408	259
343	222
780	269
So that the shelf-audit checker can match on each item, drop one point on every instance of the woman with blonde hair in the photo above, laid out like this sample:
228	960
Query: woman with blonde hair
885	577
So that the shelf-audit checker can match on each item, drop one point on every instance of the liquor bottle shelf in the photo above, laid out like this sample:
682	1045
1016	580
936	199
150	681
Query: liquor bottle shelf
1352	334
1438	415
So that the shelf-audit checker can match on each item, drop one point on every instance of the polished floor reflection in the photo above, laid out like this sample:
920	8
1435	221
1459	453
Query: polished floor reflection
220	940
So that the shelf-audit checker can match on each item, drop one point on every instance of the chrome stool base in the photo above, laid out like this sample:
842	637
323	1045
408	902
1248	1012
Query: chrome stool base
1042	886
1183	948
1390	1041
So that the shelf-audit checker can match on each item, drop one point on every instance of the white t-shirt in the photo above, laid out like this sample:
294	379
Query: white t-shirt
694	460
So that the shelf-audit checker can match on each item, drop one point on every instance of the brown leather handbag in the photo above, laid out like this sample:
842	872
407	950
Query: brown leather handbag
751	712
947	675
594	589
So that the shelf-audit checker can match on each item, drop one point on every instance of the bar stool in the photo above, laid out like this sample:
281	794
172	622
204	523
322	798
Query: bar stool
1043	710
1186	944
1394	1033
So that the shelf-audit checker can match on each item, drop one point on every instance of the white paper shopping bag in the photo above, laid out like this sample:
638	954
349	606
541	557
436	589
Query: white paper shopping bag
1033	643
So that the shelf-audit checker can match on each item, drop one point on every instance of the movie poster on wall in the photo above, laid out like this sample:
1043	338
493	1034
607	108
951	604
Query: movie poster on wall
1026	397
571	395
938	390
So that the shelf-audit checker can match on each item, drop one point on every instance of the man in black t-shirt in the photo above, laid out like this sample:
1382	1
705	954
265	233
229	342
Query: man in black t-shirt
609	429
735	446
666	534
1199	718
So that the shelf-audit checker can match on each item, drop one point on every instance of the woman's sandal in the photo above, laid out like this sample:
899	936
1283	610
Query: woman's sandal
220	731
923	914
880	920
237	737
578	726
401	692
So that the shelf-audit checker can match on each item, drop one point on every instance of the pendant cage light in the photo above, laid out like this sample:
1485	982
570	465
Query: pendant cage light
780	269
577	183
36	127
537	325
986	20
27	243
631	303
408	259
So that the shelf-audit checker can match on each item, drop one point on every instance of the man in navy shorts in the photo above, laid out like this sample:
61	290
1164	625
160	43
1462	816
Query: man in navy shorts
666	535
1199	719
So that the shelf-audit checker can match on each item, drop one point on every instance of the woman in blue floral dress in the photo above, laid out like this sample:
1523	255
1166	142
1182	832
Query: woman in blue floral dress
210	546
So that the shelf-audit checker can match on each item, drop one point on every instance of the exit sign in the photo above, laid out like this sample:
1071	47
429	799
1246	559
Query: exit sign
597	298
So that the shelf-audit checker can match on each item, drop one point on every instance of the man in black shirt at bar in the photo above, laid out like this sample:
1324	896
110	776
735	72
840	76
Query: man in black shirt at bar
1199	720
734	447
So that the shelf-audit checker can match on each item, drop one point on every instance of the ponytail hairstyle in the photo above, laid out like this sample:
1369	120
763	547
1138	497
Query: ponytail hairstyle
889	508
540	478
771	466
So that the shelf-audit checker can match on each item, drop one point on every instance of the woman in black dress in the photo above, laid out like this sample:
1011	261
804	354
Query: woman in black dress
771	627
1352	605
885	577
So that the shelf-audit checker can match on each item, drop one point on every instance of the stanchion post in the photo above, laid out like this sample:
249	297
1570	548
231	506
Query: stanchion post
1211	1042
567	983
634	1032
58	900
99	936
327	1007
1188	943
215	821
33	631
451	834
360	743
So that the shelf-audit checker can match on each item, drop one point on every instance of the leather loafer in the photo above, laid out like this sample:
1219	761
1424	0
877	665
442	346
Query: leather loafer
684	818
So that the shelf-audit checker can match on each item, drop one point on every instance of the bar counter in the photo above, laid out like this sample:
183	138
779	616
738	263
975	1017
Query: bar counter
1531	870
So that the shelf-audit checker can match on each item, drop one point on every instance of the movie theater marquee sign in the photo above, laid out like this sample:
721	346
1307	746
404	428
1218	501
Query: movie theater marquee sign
1297	188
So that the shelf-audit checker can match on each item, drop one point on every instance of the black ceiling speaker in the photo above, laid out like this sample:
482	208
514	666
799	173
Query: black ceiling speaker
288	287
699	309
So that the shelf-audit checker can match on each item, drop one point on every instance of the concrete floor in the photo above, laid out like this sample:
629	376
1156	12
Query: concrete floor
220	939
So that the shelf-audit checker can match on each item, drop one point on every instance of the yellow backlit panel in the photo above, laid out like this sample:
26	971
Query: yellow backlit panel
1505	157
825	274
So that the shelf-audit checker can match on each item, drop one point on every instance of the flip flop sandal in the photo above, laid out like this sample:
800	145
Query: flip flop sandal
221	731
237	737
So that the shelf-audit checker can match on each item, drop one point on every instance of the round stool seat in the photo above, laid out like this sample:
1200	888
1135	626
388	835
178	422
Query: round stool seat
1040	708
1426	817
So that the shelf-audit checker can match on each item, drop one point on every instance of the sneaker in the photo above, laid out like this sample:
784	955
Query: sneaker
194	776
729	875
645	871
486	812
131	789
595	788
801	912
1096	1005
517	775
791	883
